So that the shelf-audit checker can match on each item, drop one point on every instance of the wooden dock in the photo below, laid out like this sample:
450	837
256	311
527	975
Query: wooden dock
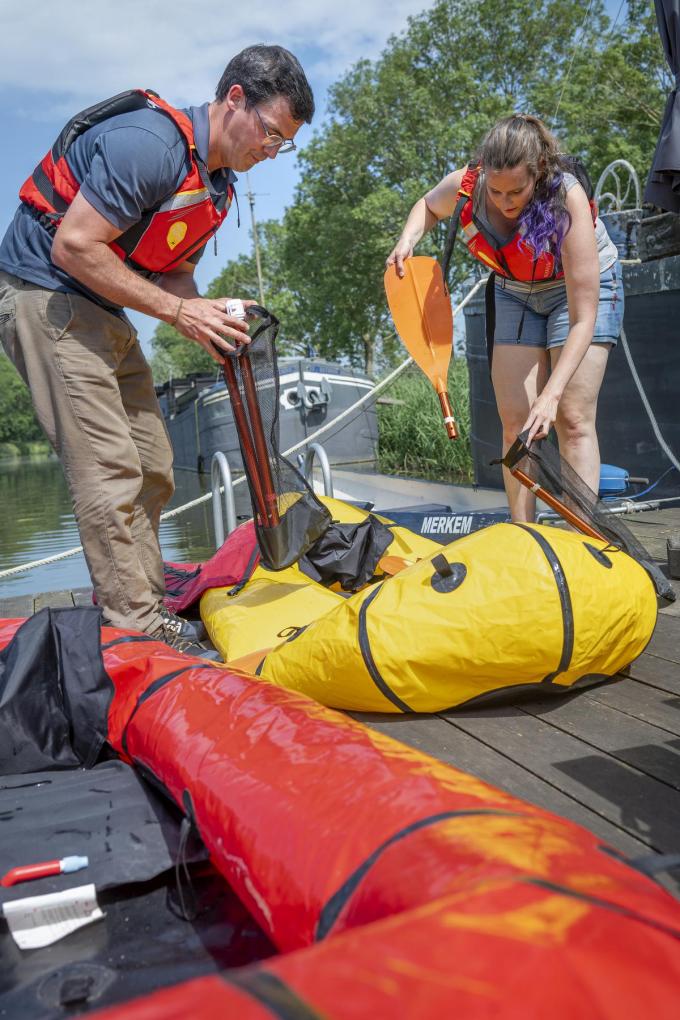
608	757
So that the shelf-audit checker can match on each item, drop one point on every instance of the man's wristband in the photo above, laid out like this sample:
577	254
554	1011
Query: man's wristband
177	313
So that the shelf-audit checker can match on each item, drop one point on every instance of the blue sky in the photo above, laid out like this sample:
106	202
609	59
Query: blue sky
58	59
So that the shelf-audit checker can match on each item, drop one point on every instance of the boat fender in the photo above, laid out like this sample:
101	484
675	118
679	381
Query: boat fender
447	576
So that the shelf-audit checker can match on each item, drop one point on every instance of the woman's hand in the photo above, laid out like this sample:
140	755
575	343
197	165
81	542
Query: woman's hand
403	249
541	417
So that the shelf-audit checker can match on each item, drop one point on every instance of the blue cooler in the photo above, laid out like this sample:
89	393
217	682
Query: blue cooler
613	480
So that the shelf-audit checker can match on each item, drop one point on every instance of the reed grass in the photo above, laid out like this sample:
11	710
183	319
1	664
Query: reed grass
413	440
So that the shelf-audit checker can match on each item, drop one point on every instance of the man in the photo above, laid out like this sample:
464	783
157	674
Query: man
118	214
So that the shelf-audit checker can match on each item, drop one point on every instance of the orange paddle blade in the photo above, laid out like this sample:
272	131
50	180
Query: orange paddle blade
421	311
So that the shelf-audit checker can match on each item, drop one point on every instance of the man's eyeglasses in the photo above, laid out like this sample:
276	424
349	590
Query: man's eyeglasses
274	141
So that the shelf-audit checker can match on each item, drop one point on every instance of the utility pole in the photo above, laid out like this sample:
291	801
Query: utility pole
251	200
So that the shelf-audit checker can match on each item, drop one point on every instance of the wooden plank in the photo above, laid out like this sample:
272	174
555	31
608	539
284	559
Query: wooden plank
641	701
652	529
645	808
666	640
82	596
19	606
53	599
647	748
444	740
650	669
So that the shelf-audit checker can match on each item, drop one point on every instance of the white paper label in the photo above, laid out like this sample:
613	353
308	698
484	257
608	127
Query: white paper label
41	920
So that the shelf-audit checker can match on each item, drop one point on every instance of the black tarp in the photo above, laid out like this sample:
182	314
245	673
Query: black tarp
54	692
129	832
663	185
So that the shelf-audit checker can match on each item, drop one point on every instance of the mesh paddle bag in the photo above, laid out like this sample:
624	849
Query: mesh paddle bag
288	516
545	467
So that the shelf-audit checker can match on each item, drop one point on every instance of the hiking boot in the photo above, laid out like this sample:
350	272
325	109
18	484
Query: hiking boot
169	633
190	630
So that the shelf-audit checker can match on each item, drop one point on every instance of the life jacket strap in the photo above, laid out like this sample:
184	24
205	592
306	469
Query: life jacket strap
465	191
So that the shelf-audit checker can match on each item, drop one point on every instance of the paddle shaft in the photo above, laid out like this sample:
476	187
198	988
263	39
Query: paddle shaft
569	516
447	411
246	440
261	451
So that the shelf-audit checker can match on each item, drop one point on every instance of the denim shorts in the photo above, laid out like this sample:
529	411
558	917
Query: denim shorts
546	316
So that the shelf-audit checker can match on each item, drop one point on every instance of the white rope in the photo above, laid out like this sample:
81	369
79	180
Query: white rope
371	395
42	563
575	50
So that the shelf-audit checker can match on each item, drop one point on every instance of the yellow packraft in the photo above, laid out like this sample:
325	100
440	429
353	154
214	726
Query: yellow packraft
508	606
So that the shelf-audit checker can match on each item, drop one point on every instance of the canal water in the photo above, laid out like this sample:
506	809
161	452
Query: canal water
36	521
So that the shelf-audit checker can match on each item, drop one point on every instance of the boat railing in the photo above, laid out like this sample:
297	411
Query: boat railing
306	462
613	189
222	484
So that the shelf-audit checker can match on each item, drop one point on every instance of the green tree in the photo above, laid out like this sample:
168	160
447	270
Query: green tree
18	423
397	125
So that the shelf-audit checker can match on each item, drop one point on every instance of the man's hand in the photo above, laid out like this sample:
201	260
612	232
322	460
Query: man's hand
205	321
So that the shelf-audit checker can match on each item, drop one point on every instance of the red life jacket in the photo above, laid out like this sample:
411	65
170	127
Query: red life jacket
516	259
165	236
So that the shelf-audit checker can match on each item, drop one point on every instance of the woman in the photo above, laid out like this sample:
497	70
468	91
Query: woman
558	288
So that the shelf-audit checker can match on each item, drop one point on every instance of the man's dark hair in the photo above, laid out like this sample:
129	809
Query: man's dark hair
267	71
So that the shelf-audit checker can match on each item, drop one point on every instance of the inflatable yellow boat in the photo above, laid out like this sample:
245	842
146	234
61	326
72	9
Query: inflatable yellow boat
510	606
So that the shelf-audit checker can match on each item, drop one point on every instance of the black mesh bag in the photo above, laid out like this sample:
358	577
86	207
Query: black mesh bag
544	466
288	516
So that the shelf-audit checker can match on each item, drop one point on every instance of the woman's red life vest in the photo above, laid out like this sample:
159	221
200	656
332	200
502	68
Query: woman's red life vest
516	259
165	236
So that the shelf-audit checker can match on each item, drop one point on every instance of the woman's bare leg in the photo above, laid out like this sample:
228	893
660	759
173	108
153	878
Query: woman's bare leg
519	373
576	414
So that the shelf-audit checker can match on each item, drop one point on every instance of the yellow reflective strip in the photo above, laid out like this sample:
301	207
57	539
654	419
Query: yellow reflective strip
489	261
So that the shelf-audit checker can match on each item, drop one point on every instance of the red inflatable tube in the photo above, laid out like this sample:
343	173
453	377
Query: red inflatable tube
507	951
424	888
321	824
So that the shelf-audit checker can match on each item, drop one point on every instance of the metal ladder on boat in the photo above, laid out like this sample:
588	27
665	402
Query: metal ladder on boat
221	479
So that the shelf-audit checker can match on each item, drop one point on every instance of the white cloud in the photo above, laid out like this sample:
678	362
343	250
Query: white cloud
81	50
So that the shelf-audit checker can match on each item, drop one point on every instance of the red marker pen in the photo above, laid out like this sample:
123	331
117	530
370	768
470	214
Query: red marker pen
26	872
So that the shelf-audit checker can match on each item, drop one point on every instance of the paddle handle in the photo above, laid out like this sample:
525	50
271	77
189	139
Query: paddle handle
447	411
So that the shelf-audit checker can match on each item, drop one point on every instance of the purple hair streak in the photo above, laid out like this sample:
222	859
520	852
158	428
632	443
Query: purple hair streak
545	220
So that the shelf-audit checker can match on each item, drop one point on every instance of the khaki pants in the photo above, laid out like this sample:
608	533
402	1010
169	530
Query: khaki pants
93	395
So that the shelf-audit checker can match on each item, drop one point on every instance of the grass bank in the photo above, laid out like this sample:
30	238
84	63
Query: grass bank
413	440
35	448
